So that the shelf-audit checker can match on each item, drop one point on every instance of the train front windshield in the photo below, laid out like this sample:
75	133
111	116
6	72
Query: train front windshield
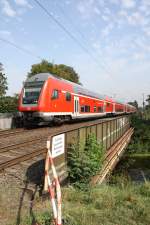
32	92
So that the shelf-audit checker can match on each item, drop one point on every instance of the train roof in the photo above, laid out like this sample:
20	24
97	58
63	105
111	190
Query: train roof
78	89
39	77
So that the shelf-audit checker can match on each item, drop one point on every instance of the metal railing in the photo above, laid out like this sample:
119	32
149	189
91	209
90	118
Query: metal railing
107	133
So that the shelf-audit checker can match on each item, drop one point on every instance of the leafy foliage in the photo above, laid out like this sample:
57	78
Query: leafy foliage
44	218
8	104
148	100
84	161
141	139
135	104
61	70
3	82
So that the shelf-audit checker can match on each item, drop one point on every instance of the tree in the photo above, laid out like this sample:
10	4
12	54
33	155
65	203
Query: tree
135	104
148	100
42	67
8	104
61	70
3	81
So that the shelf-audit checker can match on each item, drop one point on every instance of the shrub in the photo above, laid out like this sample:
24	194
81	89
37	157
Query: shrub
84	161
141	138
8	104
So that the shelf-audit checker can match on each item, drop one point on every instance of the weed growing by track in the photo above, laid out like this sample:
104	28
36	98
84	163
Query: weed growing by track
84	161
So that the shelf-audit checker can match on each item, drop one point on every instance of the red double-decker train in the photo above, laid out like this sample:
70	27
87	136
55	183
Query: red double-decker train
46	98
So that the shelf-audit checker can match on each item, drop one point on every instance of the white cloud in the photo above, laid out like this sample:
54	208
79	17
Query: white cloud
101	2
137	18
146	2
138	56
68	2
134	18
106	31
7	9
5	32
147	31
105	18
23	3
144	7
88	8
97	11
107	11
116	2
81	8
128	3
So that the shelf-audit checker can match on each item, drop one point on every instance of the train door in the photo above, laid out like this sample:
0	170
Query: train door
76	105
114	108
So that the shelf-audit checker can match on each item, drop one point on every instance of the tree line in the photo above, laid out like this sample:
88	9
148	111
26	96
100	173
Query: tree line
7	103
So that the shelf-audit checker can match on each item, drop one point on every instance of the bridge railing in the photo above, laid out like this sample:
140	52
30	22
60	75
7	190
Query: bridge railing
107	133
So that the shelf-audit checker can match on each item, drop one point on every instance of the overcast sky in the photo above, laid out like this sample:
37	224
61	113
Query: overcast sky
116	34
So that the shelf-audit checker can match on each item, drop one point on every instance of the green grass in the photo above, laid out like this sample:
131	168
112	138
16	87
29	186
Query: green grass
105	205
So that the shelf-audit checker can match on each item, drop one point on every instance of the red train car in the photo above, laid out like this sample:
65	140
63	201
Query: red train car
46	98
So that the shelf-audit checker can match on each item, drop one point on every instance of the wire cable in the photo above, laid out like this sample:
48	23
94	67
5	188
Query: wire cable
70	35
20	48
69	20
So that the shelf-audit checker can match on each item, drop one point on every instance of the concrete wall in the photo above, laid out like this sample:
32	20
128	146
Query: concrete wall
10	120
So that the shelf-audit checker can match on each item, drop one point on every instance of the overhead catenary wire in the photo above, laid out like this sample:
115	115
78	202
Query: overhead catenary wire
69	20
52	17
20	48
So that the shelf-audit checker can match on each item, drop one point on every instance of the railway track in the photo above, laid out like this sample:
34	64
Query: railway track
27	144
13	132
19	159
6	133
22	144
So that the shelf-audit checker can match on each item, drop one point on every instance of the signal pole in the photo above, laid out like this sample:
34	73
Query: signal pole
143	103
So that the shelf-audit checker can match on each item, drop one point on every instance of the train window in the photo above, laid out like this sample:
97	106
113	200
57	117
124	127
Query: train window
68	96
87	108
82	109
100	109
55	94
119	110
108	104
31	95
95	108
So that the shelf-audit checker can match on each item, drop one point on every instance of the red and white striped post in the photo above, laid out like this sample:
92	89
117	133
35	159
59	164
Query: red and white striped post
52	185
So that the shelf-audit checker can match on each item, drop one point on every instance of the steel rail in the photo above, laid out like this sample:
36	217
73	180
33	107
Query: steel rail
11	132
21	144
22	158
